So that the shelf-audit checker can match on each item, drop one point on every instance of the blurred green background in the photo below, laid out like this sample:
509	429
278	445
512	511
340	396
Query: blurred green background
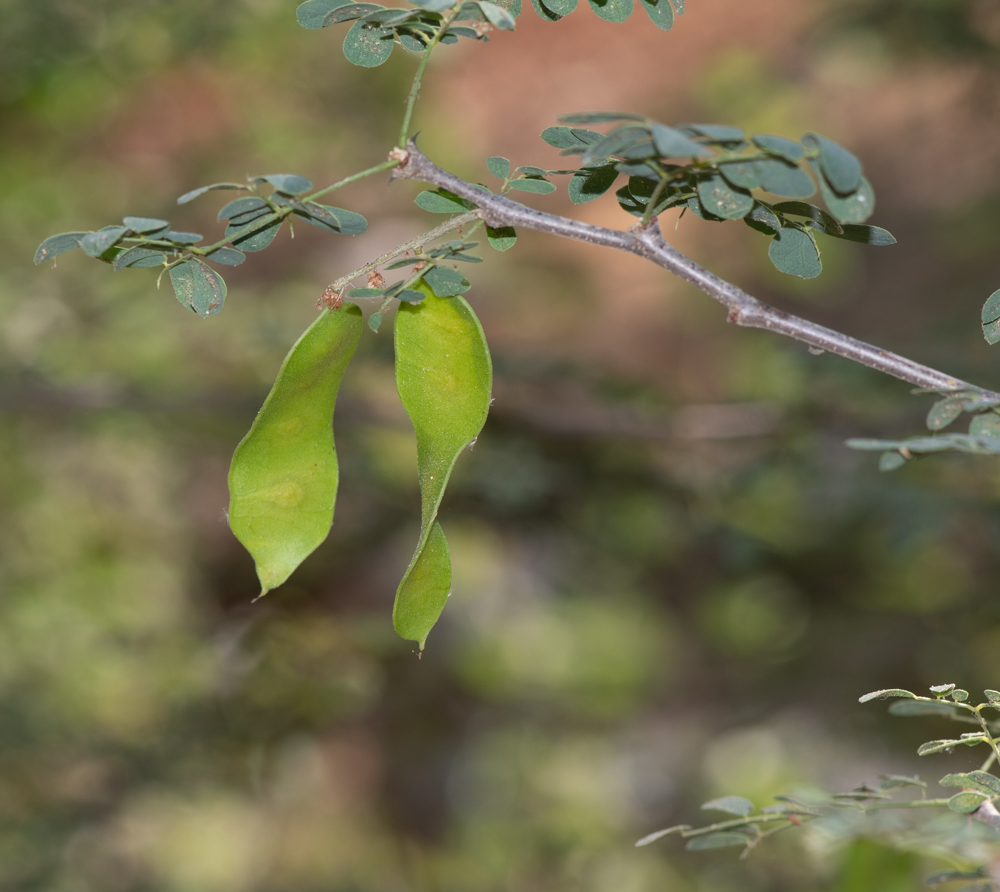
672	580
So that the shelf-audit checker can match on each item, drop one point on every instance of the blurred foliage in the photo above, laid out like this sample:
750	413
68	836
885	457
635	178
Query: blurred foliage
668	585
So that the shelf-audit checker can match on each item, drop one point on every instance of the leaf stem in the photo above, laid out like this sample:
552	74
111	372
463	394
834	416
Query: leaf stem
418	78
648	214
414	243
354	177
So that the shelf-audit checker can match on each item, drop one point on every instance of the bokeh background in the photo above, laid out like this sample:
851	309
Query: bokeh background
672	580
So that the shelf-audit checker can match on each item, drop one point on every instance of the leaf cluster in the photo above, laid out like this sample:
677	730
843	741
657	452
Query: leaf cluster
252	223
748	826
377	29
983	437
725	177
428	267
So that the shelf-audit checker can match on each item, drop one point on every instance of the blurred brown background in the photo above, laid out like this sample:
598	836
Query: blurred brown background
672	580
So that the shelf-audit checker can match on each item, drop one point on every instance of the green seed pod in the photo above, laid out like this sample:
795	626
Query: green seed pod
283	477
444	377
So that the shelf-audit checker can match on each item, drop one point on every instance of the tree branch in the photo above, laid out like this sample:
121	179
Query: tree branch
647	242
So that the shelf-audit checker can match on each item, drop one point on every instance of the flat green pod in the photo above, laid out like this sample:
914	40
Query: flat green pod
444	377
284	475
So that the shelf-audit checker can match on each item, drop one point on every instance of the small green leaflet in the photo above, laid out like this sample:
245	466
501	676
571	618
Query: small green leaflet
198	287
55	245
794	252
367	45
722	200
734	805
501	239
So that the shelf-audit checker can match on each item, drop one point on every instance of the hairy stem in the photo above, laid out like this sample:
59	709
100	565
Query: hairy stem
411	100
647	242
423	239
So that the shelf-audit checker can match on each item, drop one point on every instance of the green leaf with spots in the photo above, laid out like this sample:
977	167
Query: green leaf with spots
985	425
966	803
256	239
55	245
945	411
612	10
367	45
544	12
561	7
312	13
444	377
723	200
991	309
198	287
763	219
227	256
284	475
794	252
854	208
497	15
660	13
